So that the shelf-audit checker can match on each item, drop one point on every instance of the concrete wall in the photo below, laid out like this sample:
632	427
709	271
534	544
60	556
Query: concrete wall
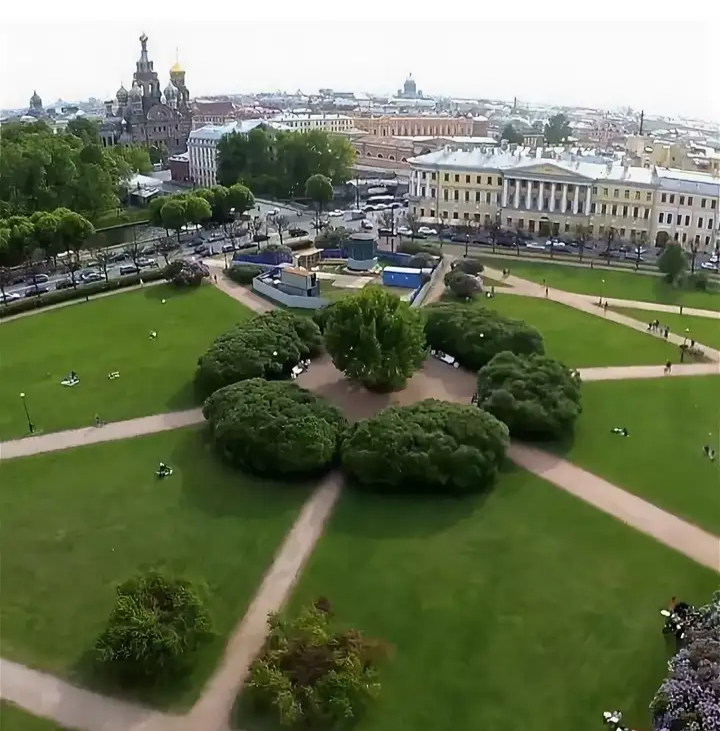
418	296
289	300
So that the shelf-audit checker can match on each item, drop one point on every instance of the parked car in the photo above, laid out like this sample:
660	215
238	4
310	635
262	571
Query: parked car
535	246
710	266
227	248
366	226
404	231
38	279
92	277
385	232
445	358
336	213
10	297
118	257
258	238
64	283
427	231
37	290
150	263
147	250
296	233
129	269
369	209
610	254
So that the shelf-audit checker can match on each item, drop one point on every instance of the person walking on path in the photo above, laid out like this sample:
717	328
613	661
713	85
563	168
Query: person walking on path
605	307
668	367
666	332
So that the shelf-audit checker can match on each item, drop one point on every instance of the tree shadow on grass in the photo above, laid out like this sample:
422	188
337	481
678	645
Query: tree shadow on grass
186	397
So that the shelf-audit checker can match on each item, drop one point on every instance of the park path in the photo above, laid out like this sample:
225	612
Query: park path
588	304
655	307
684	537
243	295
213	709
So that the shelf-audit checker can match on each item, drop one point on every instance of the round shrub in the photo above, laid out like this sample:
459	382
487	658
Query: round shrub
423	260
375	338
469	266
474	335
154	629
537	397
186	273
243	274
313	675
274	428
429	447
267	346
462	285
320	316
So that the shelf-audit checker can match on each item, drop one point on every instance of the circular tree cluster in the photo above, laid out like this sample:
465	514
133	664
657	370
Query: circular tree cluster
313	675
274	428
154	629
267	346
474	335
463	285
537	397
468	266
429	447
375	338
186	273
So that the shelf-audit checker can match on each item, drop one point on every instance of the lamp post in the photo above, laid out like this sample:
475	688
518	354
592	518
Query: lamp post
602	290
31	428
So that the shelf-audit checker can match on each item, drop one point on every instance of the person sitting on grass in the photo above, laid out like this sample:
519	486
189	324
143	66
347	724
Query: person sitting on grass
621	430
163	470
709	452
71	379
113	375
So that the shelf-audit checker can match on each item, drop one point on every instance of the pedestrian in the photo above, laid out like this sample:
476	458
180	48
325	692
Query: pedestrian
667	332
546	291
650	327
668	367
683	348
681	309
215	278
692	343
605	306
98	420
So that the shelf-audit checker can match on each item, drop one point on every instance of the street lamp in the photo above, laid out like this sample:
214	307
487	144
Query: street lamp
31	428
602	289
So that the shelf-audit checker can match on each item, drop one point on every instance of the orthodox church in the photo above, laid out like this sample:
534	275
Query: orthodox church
145	115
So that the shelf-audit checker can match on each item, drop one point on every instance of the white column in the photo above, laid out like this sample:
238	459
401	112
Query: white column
528	195
553	190
563	205
516	202
588	190
540	196
505	192
576	201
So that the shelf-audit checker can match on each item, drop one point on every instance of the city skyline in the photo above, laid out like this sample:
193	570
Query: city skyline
592	63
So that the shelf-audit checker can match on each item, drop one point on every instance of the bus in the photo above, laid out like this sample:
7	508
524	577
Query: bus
373	200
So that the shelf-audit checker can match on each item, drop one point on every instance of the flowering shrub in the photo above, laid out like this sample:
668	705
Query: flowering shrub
689	699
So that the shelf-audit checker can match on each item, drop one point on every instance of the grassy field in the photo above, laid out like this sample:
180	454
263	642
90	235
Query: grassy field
581	340
13	718
662	460
104	335
527	609
705	330
117	217
617	284
76	523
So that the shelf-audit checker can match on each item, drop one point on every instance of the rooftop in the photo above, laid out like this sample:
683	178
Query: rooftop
215	132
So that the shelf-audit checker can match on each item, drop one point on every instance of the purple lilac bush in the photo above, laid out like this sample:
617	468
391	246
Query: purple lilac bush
689	699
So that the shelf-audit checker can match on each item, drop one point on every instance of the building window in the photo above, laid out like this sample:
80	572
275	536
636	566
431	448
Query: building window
432	192
627	193
446	177
499	182
422	213
444	214
489	179
622	233
606	192
703	202
678	219
625	211
616	193
690	200
457	178
635	212
467	178
488	197
478	179
432	213
521	223
476	216
637	195
646	214
697	238
595	190
424	175
466	216
687	220
707	241
531	226
700	222
432	176
455	214
509	222
477	196
713	205
567	227
613	210
682	200
603	208
661	217
456	195
663	198
467	196
684	238
648	197
672	197
710	223
592	208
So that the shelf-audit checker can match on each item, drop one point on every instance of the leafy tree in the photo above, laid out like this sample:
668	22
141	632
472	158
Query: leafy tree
312	675
510	134
240	198
474	335
672	262
20	238
375	338
154	630
662	239
197	210
185	274
74	231
462	285
557	129
87	130
689	698
174	216
422	260
582	234
333	237
159	153
538	398
413	223
47	233
267	346
280	222
135	157
429	447
242	274
469	266
154	211
319	190
274	428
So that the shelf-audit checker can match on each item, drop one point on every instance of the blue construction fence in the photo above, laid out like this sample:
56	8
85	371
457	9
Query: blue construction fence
267	258
395	258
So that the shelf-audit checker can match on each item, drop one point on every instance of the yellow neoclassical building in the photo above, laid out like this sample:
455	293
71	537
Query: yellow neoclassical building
548	194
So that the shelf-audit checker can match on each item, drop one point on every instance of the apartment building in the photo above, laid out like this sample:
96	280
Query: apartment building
420	126
543	195
337	123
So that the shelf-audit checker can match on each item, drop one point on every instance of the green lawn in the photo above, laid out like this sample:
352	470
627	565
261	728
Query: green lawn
705	330
617	284
13	718
662	460
528	609
117	217
104	335
579	339
77	522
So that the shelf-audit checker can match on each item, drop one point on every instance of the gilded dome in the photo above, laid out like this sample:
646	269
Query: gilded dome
177	68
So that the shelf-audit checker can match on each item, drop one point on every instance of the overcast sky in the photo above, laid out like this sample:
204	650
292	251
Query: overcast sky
606	54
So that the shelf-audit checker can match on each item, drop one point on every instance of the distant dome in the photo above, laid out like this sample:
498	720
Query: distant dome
177	68
122	95
35	100
410	85
171	92
136	91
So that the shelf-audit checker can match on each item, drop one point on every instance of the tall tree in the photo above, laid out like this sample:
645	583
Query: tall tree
280	222
240	199
47	233
320	191
557	129
87	130
510	134
74	231
174	216
672	262
582	234
135	157
197	210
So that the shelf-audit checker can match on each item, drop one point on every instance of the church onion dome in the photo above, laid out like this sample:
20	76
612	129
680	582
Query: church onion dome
122	95
177	68
35	100
136	91
171	92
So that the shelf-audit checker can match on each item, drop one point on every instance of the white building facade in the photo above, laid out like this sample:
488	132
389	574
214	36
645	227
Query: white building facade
337	123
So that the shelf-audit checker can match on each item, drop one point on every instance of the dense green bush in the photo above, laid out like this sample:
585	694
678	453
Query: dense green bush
303	243
537	397
469	266
429	447
462	285
375	338
320	316
267	346
274	428
83	291
243	274
154	629
475	334
423	260
185	274
312	675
